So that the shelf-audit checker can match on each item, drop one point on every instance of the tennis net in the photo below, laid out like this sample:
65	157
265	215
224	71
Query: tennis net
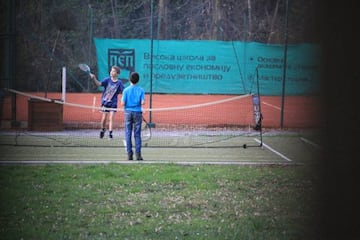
175	121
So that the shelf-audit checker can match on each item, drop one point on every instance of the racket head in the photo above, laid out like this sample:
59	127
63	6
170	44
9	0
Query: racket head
145	131
84	67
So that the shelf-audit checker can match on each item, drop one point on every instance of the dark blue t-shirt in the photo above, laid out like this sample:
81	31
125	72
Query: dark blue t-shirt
111	91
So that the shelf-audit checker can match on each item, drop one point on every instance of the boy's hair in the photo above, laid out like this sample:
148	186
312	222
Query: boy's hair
134	77
116	68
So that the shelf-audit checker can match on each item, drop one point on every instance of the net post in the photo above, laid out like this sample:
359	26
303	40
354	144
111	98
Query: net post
257	111
151	124
63	85
261	116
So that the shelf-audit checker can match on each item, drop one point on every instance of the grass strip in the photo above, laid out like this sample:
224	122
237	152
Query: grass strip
162	201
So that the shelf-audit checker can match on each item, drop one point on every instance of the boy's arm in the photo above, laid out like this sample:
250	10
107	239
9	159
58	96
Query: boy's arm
93	77
143	98
122	101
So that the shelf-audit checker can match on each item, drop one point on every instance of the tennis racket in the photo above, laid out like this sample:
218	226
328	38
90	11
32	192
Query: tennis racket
85	68
257	112
145	130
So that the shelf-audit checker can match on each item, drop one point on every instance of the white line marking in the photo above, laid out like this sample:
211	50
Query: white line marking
309	142
124	142
270	105
273	150
94	102
39	162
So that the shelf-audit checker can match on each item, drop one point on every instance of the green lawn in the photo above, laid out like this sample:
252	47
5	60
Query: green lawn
157	201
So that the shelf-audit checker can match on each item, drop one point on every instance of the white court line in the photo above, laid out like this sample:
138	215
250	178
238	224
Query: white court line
273	150
39	162
124	142
271	105
309	142
94	102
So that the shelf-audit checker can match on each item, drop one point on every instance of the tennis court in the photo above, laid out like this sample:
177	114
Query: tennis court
84	146
212	129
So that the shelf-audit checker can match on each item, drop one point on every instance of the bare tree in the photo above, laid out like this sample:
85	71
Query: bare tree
113	4
249	20
226	20
216	13
271	32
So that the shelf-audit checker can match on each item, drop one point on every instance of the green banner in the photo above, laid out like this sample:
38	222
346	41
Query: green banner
212	67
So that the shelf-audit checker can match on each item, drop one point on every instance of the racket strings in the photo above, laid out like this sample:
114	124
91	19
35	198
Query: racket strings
84	67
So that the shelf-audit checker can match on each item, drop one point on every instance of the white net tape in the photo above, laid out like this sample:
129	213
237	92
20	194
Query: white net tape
121	109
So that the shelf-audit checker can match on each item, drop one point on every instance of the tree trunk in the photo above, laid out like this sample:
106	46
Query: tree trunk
160	31
216	19
249	35
116	25
271	33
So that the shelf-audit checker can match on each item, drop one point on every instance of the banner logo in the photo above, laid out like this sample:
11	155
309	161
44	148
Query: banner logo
124	58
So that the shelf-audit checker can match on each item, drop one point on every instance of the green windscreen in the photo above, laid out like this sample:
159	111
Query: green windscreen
212	67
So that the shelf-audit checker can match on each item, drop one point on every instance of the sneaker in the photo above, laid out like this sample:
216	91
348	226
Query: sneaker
102	133
110	136
130	157
139	157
